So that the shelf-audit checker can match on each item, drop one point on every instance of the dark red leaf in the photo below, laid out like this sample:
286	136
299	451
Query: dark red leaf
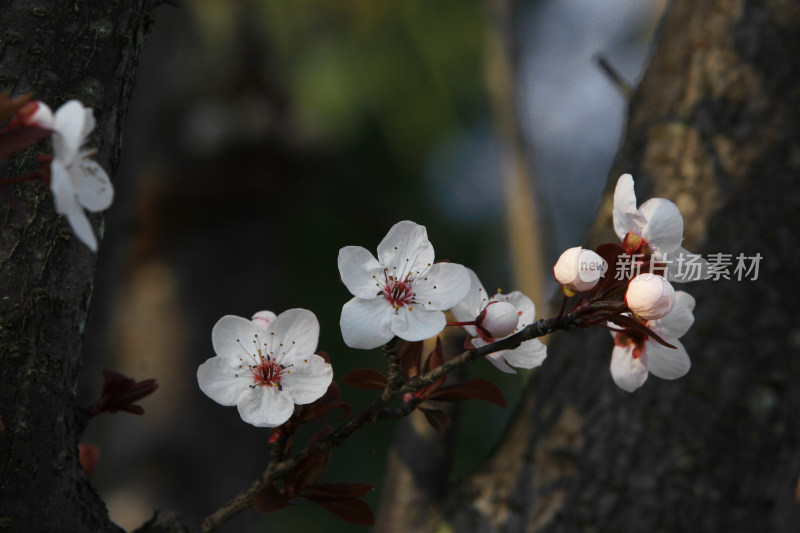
630	322
121	392
410	356
319	435
9	106
610	252
307	471
88	455
435	417
365	378
354	511
435	358
14	141
320	492
269	499
479	389
317	413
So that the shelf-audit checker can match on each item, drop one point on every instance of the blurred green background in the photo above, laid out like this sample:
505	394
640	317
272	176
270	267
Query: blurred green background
265	135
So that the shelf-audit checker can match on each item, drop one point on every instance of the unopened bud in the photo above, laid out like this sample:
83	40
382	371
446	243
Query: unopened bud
263	318
499	319
650	296
579	270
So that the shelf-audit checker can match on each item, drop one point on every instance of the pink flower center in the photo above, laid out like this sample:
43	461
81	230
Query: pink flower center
266	372
632	336
398	292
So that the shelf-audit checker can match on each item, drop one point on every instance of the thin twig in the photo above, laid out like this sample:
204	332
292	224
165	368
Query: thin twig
377	411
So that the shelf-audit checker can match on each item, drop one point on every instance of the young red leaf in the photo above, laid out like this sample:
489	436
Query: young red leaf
479	389
307	471
319	435
410	356
14	141
353	511
629	322
320	492
436	418
269	499
365	378
9	106
435	358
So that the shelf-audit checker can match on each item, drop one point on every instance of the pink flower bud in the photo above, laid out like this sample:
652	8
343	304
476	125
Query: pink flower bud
579	270
499	319
650	296
263	318
37	114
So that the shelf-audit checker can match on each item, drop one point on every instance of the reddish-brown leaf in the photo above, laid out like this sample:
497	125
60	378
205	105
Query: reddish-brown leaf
9	106
353	511
435	358
269	499
365	378
410	355
14	141
479	389
320	492
630	322
319	435
307	471
436	418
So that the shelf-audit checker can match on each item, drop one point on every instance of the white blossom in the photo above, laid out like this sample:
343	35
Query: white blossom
650	296
402	292
76	181
266	370
579	269
529	354
635	354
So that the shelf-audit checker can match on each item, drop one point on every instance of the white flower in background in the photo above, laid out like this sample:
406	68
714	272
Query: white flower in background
656	226
635	354
650	296
76	181
494	325
579	270
266	369
402	293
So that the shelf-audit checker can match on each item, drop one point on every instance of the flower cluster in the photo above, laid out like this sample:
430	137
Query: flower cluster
645	313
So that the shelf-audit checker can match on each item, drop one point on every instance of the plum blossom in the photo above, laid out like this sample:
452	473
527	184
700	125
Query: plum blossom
650	296
655	227
76	181
401	293
265	370
635	354
477	305
579	270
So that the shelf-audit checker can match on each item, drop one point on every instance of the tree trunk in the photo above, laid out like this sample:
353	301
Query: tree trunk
56	50
713	126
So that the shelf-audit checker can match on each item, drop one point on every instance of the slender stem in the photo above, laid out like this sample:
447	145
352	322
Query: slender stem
378	410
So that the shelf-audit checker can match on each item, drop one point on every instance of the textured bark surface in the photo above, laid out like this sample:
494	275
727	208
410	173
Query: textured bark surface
713	126
57	50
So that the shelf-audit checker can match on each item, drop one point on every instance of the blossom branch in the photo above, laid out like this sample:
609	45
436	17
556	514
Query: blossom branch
378	410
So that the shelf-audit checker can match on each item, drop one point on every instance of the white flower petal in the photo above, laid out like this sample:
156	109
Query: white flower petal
625	214
366	324
293	332
361	273
405	249
470	306
442	286
499	362
92	186
235	337
680	319
221	379
629	374
265	406
67	205
664	227
307	379
70	127
529	354
522	303
418	323
667	363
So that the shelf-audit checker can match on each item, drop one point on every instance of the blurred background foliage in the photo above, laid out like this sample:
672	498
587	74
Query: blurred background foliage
265	135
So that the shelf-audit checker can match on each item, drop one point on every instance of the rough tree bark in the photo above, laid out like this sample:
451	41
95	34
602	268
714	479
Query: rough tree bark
713	126
57	50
